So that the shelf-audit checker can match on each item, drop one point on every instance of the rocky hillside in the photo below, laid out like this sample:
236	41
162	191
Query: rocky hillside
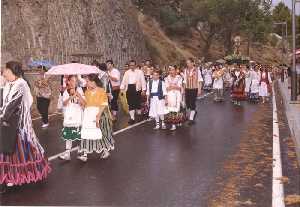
166	49
57	29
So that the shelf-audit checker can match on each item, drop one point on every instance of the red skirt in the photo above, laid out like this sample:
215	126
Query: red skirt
26	165
238	93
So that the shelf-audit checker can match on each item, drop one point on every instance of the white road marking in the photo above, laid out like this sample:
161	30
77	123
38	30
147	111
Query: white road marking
115	133
277	186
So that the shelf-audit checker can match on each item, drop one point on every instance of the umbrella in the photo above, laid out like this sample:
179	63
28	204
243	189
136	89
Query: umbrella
73	69
37	63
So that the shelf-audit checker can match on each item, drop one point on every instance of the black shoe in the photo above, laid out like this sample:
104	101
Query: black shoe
2	188
131	121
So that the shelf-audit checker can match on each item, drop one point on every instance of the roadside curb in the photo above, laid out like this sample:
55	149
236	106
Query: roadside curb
293	123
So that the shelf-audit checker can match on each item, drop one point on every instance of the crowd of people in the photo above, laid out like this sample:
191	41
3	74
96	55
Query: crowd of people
91	104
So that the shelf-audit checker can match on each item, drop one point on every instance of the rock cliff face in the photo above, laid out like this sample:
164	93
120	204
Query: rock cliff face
57	29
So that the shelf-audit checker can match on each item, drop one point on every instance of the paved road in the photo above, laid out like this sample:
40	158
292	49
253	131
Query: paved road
148	168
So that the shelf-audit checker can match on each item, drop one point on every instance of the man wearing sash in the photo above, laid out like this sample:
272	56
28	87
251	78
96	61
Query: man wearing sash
134	84
193	85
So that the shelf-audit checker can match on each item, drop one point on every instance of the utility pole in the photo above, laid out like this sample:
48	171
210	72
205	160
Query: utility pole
284	37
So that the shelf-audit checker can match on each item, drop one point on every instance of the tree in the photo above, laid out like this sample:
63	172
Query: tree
213	19
282	13
223	19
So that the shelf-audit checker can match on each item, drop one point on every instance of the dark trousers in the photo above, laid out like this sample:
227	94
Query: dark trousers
190	98
133	97
43	108
114	101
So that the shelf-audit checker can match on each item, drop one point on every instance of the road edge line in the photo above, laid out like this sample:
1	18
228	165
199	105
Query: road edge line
277	185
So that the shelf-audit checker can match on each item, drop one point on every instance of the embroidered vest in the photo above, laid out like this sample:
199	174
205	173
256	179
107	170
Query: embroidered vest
159	92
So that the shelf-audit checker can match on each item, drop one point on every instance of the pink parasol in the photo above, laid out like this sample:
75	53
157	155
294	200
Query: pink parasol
73	69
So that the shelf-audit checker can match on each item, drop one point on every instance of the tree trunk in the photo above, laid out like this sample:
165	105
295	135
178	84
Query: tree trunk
228	42
206	48
55	29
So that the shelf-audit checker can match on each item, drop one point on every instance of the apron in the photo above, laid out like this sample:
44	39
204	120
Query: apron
89	129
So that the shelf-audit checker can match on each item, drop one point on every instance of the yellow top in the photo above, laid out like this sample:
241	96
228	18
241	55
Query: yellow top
96	98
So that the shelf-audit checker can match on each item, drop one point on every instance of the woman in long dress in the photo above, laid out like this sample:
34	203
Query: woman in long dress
238	86
264	84
174	87
22	158
96	132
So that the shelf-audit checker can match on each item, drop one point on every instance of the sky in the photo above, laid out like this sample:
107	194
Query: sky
288	3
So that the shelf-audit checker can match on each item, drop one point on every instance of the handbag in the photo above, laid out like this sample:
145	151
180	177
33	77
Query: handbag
72	115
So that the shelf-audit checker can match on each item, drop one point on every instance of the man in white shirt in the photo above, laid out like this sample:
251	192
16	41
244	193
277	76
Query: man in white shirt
114	77
134	84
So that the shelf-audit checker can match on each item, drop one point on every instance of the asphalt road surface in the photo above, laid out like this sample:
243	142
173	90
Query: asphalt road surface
148	167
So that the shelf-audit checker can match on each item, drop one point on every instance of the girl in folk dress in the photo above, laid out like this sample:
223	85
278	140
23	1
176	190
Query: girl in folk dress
264	84
254	86
238	86
247	81
96	132
207	74
156	94
174	97
73	102
218	84
227	78
22	158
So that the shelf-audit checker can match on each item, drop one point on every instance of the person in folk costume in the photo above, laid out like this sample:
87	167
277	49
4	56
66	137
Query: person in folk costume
115	79
238	86
192	85
264	84
207	75
2	84
134	85
22	158
254	86
96	131
43	92
104	79
147	69
227	77
73	102
247	80
174	98
156	96
218	84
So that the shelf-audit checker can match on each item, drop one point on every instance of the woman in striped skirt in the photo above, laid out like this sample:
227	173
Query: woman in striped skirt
22	158
96	132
